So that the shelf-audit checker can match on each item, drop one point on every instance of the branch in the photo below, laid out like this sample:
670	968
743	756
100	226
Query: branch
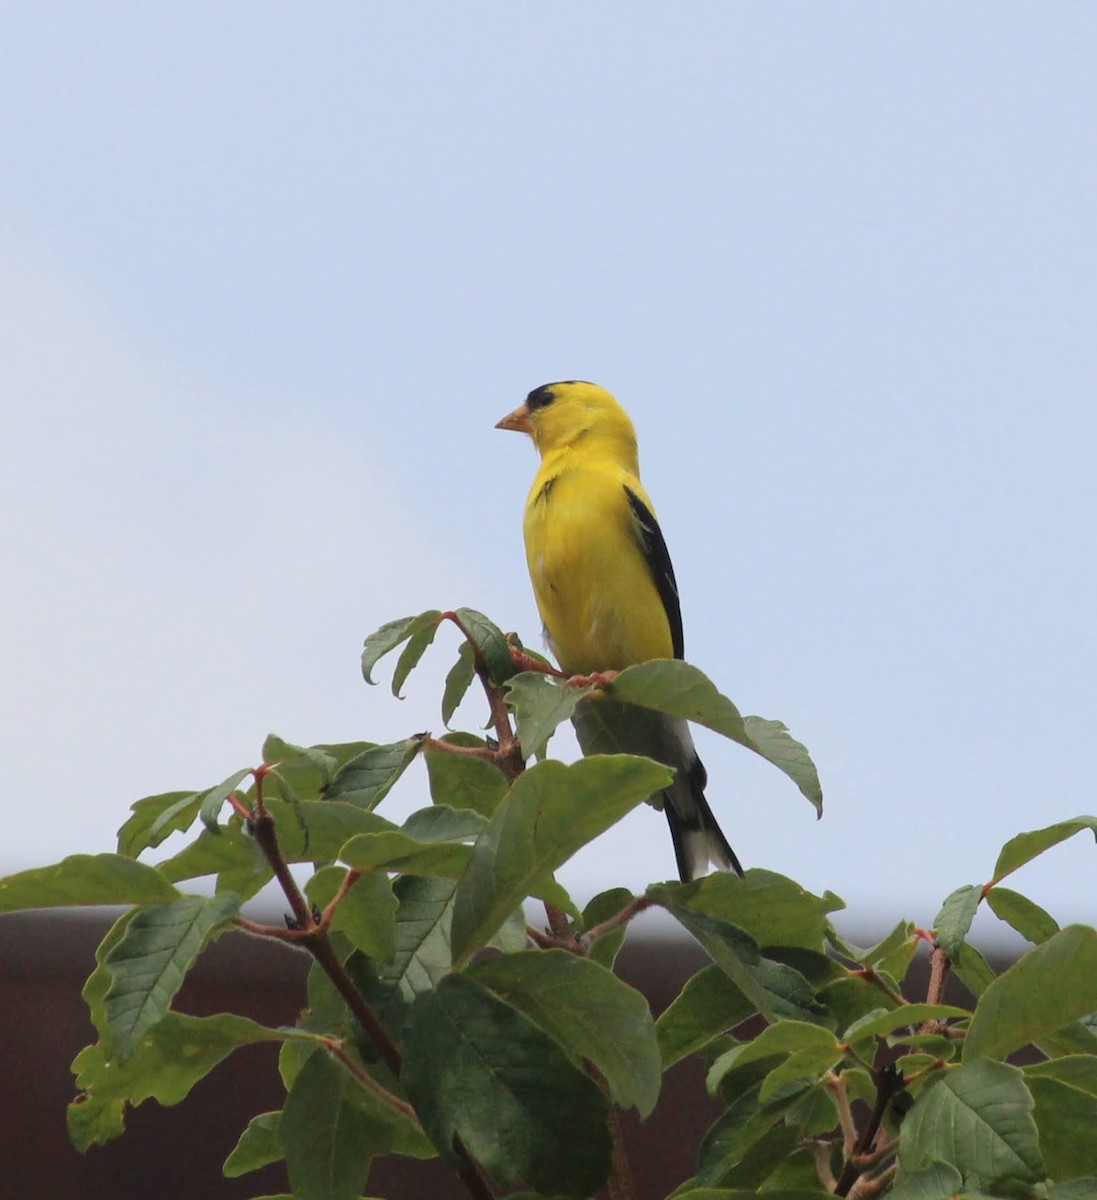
312	935
889	1081
635	906
337	1049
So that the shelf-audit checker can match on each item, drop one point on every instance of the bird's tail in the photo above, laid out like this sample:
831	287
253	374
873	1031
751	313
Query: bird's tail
698	839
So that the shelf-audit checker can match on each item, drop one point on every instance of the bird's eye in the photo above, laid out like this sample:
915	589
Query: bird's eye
540	397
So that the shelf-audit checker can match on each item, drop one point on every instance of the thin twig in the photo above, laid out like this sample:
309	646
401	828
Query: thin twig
870	1186
337	1049
313	937
349	880
836	1085
870	976
635	906
820	1153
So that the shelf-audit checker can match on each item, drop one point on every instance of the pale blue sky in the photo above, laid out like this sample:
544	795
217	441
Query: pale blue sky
269	274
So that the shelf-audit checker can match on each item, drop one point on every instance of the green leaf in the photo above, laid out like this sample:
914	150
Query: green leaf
428	844
539	705
391	635
1052	984
258	1146
285	755
422	941
367	779
458	681
328	1143
366	915
776	990
312	831
1076	1037
681	690
154	818
491	643
978	1118
589	1012
411	654
463	781
885	1023
955	918
1028	918
1027	846
973	970
148	964
772	740
84	879
215	798
773	909
1074	1189
549	813
729	1140
170	1059
601	908
709	1004
1066	1117
937	1181
477	1067
783	1037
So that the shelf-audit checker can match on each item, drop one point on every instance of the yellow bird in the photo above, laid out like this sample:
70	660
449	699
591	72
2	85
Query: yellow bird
606	592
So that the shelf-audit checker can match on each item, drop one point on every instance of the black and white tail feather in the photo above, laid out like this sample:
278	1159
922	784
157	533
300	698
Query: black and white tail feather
607	726
699	841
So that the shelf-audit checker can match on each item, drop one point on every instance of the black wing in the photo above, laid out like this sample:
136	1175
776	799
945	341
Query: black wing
658	559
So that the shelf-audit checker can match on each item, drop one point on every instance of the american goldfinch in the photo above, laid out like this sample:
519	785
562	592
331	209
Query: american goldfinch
606	591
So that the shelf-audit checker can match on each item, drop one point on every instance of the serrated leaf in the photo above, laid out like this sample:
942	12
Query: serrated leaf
258	1146
728	1141
366	915
783	1037
391	635
680	689
410	656
312	831
540	704
154	818
214	799
776	990
589	1012
549	813
772	740
956	915
169	1060
708	1005
85	879
462	780
279	753
491	643
422	948
1027	846
1052	984
367	779
458	681
978	1118
148	964
477	1067
773	909
431	842
1027	917
887	1022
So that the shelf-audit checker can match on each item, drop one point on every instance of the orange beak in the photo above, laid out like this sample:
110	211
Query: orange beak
517	420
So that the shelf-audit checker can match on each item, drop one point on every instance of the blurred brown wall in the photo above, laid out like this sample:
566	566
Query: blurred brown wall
176	1153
